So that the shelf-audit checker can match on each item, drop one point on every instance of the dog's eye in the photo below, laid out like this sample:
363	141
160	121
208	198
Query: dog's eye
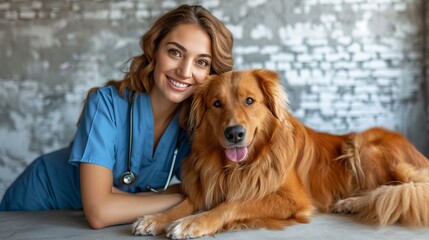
249	101
217	104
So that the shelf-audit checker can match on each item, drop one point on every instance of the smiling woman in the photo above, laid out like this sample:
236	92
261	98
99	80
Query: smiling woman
186	57
131	127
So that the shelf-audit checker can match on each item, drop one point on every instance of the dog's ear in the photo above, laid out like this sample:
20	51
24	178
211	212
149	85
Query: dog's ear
198	107
276	99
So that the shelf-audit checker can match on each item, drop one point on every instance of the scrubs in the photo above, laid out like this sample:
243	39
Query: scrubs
102	138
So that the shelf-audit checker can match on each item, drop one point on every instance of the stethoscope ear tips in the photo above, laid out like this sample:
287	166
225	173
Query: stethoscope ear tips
127	179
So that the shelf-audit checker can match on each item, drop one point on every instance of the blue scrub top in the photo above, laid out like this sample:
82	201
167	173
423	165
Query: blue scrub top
102	138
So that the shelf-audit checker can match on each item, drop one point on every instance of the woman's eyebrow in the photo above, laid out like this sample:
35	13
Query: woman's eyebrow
178	45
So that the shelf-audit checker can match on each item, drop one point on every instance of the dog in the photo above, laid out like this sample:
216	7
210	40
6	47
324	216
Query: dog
253	164
240	171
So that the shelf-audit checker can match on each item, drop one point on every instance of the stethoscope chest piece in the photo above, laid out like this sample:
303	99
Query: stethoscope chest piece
127	178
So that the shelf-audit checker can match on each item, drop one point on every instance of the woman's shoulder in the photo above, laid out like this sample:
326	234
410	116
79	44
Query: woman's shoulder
108	101
110	92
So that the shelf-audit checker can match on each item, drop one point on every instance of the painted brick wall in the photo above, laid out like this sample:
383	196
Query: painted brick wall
346	64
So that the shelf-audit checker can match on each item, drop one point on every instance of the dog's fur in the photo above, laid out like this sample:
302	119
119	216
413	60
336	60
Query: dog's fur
376	174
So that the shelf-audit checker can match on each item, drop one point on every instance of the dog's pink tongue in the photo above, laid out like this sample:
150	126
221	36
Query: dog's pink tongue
236	154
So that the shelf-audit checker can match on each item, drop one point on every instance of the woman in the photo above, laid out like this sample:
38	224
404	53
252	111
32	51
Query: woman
130	138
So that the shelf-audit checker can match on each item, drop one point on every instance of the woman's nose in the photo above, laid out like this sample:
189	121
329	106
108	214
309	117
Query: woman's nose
185	69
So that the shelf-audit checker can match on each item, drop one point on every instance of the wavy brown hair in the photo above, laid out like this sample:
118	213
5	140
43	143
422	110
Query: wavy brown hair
139	77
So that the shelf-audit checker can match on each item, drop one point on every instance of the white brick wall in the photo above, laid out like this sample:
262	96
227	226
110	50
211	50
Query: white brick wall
346	64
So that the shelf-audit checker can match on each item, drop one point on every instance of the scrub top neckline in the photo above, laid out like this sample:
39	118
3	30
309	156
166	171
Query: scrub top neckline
144	126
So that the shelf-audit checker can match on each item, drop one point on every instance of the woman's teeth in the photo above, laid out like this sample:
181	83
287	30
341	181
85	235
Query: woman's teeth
178	84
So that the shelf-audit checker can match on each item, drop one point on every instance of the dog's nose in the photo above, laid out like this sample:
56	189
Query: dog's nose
235	134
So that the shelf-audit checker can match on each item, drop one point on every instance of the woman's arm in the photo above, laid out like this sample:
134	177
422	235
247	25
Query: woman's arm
174	188
105	205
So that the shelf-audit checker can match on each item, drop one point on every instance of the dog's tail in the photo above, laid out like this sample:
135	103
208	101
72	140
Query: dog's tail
406	202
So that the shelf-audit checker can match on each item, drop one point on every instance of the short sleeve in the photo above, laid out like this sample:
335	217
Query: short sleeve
96	137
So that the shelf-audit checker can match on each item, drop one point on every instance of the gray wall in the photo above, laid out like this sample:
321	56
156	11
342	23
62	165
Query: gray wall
346	64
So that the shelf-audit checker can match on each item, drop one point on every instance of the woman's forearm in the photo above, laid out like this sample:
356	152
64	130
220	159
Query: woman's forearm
120	208
105	205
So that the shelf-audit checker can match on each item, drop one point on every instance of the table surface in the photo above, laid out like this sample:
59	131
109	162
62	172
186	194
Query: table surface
72	225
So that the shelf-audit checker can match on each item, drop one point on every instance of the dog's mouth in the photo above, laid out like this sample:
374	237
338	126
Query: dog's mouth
236	154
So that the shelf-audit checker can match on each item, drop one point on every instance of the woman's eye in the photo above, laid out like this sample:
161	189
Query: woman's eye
174	52
217	104
202	63
249	101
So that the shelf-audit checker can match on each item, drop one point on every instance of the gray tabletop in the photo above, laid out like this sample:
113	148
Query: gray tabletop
72	225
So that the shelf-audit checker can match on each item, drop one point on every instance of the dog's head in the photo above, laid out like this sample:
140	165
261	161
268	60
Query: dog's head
237	109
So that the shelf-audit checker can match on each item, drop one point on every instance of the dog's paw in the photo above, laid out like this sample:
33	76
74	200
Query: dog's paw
147	226
189	227
345	206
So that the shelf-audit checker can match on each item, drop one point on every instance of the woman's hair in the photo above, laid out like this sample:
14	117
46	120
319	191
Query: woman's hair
139	77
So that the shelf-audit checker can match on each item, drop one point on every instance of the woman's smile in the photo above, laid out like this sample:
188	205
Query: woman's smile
178	85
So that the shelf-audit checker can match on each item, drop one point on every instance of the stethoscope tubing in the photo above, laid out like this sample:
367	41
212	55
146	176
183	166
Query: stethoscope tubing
128	178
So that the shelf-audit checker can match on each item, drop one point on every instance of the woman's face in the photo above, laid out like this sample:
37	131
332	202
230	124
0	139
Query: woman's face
182	60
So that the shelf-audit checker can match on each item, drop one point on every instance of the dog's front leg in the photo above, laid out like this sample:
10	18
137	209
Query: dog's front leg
151	225
194	226
235	214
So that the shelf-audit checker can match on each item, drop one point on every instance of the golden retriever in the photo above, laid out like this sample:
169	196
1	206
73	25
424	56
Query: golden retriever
240	171
252	164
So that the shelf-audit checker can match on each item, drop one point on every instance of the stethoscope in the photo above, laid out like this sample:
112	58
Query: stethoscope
128	178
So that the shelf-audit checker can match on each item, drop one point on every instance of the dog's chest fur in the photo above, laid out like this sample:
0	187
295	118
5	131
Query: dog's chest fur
220	182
